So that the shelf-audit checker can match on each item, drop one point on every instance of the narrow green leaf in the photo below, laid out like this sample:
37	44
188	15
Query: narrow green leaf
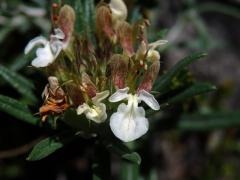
203	122
22	85
17	109
193	90
220	8
165	80
18	63
85	15
45	148
4	32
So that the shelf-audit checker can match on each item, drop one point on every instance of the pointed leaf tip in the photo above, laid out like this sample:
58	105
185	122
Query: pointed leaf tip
133	157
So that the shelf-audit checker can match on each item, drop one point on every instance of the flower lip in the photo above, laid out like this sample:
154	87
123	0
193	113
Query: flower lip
129	122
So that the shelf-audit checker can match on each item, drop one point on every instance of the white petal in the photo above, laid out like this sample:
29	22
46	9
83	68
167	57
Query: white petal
40	40
119	9
129	124
44	57
100	96
153	55
58	34
56	47
148	99
97	113
82	108
155	44
119	95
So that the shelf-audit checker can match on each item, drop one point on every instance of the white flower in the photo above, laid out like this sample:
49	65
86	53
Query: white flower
97	111
129	122
50	50
152	54
119	10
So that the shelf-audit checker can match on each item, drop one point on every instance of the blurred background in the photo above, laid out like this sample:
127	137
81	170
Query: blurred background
196	139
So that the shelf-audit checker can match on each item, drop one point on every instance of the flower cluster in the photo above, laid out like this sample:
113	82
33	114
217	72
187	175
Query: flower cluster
118	69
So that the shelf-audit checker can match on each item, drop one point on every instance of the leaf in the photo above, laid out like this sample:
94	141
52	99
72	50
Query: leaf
18	63
4	32
220	8
203	122
132	157
85	15
165	80
193	90
45	148
22	85
17	109
122	150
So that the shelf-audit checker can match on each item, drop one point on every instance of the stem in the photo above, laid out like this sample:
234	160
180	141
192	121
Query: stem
101	163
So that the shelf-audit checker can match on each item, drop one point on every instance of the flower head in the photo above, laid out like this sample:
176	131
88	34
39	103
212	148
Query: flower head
129	122
119	60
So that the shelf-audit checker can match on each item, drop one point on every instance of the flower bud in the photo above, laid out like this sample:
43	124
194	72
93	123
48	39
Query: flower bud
124	33
55	14
88	86
66	21
149	77
104	24
119	69
75	94
153	55
119	10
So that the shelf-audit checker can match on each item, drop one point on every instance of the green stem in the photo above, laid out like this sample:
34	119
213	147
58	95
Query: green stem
101	163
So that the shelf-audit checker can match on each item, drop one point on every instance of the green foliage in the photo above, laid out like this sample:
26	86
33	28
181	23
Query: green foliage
124	152
85	15
220	8
133	157
17	109
20	62
162	84
45	148
193	90
129	171
210	121
21	84
173	82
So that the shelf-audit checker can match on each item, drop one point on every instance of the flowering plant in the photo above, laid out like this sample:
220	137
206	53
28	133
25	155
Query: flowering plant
121	66
102	80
